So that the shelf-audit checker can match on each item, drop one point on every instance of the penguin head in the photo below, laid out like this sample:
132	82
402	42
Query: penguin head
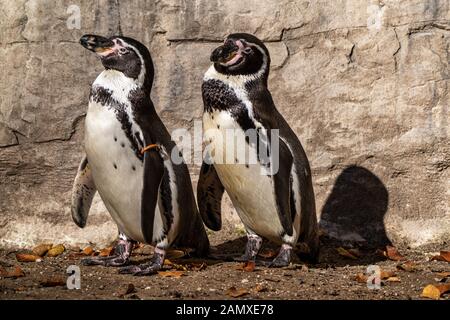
123	54
242	54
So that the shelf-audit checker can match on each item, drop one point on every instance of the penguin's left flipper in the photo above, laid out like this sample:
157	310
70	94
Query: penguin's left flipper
282	185
209	196
83	192
153	173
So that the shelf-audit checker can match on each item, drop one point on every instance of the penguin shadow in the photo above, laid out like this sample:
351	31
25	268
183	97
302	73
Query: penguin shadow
353	216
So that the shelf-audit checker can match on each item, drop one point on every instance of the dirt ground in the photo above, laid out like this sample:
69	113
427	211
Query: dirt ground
332	278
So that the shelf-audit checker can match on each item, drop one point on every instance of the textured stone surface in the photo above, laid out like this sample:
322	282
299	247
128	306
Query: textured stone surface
363	83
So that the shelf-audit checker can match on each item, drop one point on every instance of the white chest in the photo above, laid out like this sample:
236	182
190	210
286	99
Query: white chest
117	172
250	190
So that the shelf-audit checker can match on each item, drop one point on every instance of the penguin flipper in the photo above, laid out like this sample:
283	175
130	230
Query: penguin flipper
153	173
209	197
282	187
83	192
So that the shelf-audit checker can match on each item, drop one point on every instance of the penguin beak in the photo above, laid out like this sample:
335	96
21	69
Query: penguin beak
97	44
228	54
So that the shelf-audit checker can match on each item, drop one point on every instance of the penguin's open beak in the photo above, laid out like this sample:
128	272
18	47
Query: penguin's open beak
97	44
228	54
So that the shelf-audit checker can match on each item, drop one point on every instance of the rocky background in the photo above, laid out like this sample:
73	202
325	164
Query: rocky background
363	83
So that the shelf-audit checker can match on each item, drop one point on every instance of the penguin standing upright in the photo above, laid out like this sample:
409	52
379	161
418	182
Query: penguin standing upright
128	161
273	202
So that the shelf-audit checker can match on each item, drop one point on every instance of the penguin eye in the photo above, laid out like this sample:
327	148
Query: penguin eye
248	50
123	51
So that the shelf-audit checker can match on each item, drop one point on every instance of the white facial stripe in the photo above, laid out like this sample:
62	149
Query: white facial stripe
141	76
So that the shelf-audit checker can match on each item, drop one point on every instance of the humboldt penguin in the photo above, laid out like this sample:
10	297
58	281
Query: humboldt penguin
128	160
262	167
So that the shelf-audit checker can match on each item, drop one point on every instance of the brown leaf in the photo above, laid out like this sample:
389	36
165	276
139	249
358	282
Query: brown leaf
235	293
53	282
443	274
127	289
268	254
443	256
171	274
175	254
106	252
88	251
387	274
260	288
179	267
408	266
42	249
249	266
16	273
433	291
168	262
56	251
393	279
343	252
361	277
384	275
24	257
393	254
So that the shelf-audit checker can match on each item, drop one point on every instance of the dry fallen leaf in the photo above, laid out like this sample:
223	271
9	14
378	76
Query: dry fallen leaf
235	293
171	274
16	273
56	251
362	278
24	257
443	256
88	251
167	262
42	249
443	274
408	266
179	267
393	279
387	274
384	275
53	282
175	254
249	266
106	252
267	254
393	254
345	253
435	291
355	252
260	288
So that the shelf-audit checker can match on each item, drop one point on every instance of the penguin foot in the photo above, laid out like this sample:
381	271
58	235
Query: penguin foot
251	249
122	252
146	269
142	270
113	261
283	259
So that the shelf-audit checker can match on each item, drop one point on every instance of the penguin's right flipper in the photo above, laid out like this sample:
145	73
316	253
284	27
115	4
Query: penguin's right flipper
83	192
209	197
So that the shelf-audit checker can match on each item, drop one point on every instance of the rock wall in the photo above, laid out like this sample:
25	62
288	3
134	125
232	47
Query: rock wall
363	83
